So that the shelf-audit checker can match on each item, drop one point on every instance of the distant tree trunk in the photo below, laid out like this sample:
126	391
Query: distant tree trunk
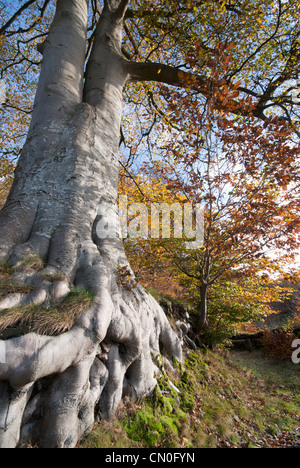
65	182
202	323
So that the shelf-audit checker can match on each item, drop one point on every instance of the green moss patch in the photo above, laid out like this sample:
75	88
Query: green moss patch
225	400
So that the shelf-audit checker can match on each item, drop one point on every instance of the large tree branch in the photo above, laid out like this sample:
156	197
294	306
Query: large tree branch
61	76
158	72
149	71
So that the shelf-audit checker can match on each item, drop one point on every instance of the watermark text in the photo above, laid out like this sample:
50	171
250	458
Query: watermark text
2	352
2	92
296	353
154	221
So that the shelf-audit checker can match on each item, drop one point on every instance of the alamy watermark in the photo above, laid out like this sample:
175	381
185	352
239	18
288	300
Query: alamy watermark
157	221
2	352
296	353
2	92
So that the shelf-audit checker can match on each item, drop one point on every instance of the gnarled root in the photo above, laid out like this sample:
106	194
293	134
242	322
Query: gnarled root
50	386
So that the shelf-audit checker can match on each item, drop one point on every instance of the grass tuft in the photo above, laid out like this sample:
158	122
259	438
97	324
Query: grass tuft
7	286
45	320
30	262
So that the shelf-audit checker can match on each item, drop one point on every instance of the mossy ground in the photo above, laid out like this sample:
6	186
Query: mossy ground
225	399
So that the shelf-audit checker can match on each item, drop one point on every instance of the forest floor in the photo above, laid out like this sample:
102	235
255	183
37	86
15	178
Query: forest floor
226	399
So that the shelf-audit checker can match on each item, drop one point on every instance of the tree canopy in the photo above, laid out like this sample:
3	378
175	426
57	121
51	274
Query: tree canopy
170	42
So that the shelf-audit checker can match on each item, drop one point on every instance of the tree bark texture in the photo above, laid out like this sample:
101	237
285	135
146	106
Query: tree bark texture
66	180
202	323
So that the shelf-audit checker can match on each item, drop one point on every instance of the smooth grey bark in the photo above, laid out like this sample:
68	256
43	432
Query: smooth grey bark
66	180
202	322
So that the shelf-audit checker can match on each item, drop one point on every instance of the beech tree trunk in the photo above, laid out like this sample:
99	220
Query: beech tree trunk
202	323
65	182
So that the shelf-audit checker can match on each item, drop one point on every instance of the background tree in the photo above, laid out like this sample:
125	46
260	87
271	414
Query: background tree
147	256
245	172
240	293
68	168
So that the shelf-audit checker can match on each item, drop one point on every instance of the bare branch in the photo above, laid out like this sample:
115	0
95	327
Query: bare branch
130	176
32	25
16	15
261	46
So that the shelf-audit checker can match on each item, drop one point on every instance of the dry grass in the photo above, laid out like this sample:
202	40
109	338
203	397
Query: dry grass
4	189
110	434
44	320
30	262
7	286
53	277
5	269
40	319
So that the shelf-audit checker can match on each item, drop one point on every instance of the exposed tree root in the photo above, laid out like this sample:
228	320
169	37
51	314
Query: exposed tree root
51	386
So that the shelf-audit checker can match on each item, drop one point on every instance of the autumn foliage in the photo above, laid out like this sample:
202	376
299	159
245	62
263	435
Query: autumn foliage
245	171
277	344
